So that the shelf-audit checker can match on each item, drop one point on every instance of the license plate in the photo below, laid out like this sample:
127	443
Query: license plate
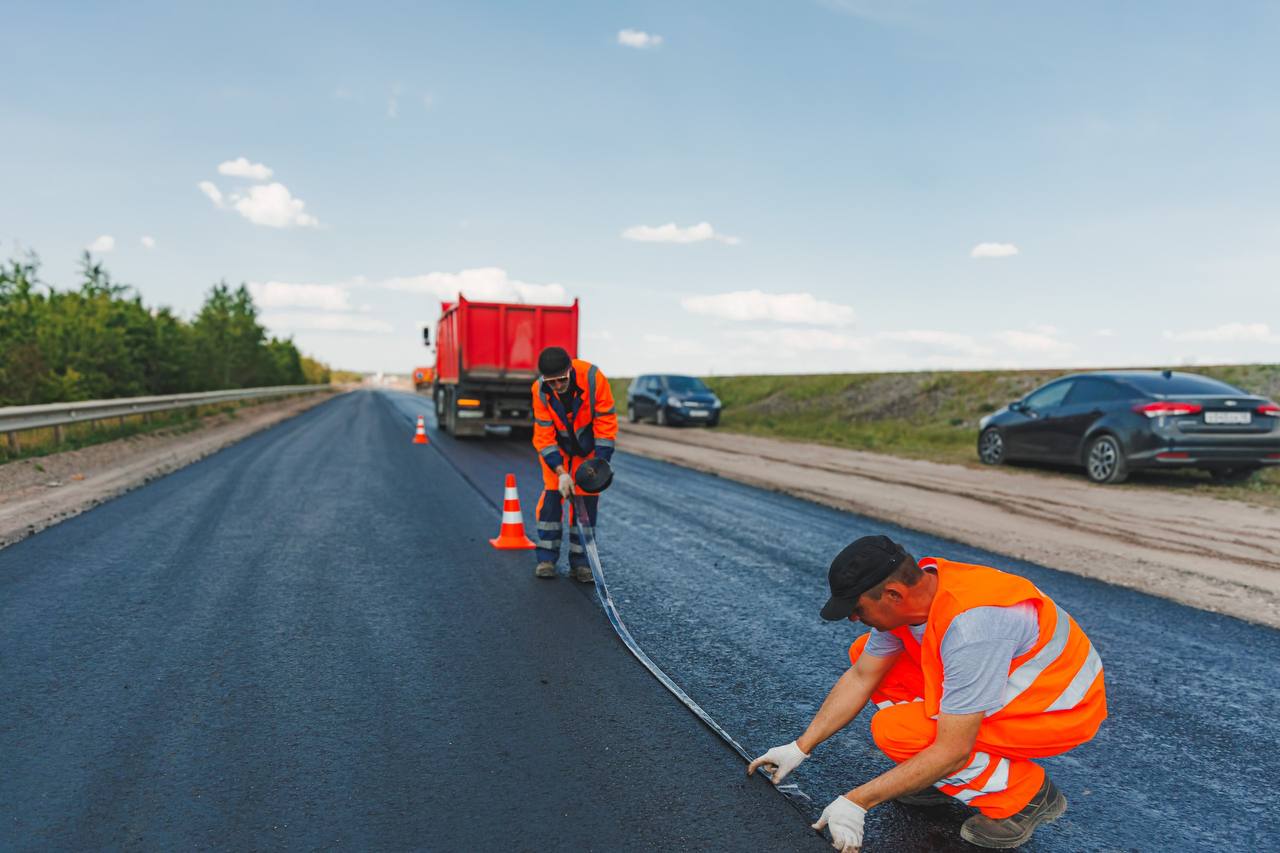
698	413
1228	417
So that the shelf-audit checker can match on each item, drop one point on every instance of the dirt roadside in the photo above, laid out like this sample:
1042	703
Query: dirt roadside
41	491
1217	555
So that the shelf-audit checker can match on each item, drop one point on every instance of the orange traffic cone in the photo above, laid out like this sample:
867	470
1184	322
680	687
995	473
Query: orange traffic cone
511	537
420	435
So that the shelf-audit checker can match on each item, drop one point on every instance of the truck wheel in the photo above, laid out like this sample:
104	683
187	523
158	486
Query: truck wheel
632	417
660	417
450	420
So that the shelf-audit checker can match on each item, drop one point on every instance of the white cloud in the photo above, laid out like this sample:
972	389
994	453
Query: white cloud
343	93
282	294
994	250
756	305
804	340
1227	333
292	322
428	101
926	338
1031	342
148	242
272	205
214	194
104	243
485	284
638	39
393	101
671	233
242	168
1104	333
670	346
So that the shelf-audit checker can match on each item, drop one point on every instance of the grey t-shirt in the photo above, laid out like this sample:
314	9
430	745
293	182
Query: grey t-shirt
976	652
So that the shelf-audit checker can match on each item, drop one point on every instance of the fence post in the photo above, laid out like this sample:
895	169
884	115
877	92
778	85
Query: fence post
14	444
57	434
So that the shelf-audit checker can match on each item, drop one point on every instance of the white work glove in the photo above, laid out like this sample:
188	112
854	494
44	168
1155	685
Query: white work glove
566	485
780	761
843	818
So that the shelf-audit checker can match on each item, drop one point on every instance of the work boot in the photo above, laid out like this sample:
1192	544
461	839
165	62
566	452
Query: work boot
926	797
582	574
1047	805
545	570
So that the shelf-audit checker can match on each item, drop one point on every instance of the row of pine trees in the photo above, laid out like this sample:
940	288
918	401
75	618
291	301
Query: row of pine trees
100	341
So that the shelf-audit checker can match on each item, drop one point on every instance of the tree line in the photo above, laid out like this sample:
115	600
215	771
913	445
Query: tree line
100	341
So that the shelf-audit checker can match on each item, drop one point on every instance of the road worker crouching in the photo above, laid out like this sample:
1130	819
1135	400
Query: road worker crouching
974	671
573	420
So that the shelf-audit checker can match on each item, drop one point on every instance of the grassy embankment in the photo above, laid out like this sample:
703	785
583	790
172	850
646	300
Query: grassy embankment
927	415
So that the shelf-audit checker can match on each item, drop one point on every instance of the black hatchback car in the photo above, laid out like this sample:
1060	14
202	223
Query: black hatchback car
669	399
1116	422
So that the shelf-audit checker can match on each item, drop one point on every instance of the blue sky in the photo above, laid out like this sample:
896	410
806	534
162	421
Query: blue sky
727	186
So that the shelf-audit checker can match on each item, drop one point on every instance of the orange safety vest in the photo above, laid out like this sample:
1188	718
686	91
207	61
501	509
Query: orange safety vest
594	423
1057	684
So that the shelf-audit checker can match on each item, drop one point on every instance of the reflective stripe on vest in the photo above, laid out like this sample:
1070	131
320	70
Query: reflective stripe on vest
1058	674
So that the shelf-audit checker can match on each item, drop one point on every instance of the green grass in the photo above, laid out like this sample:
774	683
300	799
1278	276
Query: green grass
927	415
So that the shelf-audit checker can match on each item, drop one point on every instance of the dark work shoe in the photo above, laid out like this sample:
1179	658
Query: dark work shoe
582	574
545	570
1047	805
930	796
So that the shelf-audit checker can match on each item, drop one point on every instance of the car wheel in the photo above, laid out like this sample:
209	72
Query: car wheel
991	447
632	417
1104	462
1232	475
660	417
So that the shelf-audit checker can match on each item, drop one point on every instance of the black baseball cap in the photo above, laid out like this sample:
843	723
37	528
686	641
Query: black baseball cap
553	361
860	566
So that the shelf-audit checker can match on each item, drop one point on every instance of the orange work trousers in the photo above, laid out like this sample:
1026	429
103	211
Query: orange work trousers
999	778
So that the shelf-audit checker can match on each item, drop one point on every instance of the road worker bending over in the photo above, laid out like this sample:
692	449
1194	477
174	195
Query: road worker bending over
974	671
573	420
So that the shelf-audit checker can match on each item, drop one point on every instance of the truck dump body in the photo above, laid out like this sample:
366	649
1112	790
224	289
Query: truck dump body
487	356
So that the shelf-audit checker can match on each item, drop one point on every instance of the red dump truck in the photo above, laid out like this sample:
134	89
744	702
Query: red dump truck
487	357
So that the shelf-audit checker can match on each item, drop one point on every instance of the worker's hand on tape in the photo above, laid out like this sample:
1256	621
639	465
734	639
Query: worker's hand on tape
780	761
566	485
843	819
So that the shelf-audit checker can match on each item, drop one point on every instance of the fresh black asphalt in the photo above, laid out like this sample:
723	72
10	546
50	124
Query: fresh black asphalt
305	641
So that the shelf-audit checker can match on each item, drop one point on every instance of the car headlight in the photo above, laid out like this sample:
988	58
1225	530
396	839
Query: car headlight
715	403
674	401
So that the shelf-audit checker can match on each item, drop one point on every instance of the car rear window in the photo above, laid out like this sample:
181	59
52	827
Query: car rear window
1181	383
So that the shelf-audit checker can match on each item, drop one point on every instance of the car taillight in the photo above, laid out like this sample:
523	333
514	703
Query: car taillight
1164	407
1269	409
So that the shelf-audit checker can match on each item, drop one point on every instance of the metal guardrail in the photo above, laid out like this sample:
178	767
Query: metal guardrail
14	419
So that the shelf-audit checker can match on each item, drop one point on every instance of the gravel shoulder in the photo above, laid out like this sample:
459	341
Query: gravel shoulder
1213	554
41	491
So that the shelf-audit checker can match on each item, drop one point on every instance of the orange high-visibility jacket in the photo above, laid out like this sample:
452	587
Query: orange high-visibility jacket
1056	684
593	420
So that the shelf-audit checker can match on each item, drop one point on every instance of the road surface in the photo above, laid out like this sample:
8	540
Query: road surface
305	641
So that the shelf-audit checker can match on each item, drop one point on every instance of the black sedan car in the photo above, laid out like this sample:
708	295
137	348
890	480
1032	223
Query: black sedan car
669	399
1116	422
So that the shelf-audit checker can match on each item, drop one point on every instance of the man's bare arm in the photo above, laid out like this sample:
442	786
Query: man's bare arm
948	753
846	700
